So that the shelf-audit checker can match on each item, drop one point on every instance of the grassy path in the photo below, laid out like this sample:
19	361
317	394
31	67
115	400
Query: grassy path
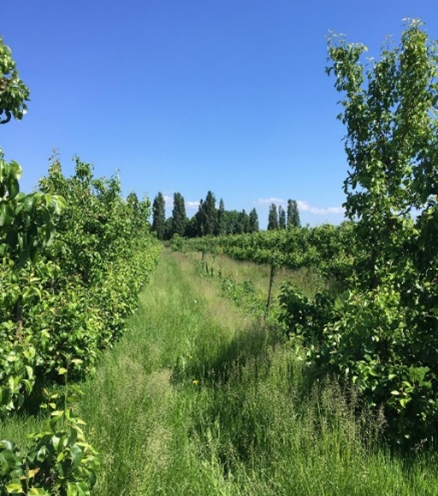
133	403
194	400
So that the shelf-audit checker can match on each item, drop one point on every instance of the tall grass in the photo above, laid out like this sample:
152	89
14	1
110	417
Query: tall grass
197	399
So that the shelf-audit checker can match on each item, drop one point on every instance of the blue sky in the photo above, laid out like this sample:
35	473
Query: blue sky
193	95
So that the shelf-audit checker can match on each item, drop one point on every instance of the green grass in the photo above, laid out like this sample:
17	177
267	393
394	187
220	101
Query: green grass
18	427
197	399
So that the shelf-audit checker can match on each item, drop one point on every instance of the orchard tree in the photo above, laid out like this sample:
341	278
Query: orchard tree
390	112
273	217
159	216
386	337
133	203
27	228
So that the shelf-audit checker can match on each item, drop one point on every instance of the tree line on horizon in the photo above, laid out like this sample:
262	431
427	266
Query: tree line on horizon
284	219
215	220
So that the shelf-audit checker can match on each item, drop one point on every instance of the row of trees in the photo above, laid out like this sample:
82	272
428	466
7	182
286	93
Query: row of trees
280	219
330	251
73	257
209	219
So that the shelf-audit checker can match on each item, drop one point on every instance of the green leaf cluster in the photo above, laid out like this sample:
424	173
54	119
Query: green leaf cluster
58	461
364	339
13	92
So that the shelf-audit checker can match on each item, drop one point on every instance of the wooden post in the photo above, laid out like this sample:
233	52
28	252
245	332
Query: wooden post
271	283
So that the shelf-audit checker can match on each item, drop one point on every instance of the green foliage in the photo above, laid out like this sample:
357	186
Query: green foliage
13	92
281	218
60	309
27	222
331	250
17	374
212	221
244	295
382	334
390	112
239	222
220	228
293	214
370	345
272	217
58	461
159	216
27	226
179	217
242	225
62	300
206	217
363	339
253	221
237	416
304	318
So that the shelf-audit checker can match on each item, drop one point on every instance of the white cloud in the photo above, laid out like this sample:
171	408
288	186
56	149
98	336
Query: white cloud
192	204
168	200
304	206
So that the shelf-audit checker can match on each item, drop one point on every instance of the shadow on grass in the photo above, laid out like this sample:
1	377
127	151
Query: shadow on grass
229	358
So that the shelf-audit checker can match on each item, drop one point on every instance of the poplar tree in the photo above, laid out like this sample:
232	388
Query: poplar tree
273	217
281	218
220	226
179	217
242	225
198	219
253	221
209	215
231	221
168	228
293	215
159	216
